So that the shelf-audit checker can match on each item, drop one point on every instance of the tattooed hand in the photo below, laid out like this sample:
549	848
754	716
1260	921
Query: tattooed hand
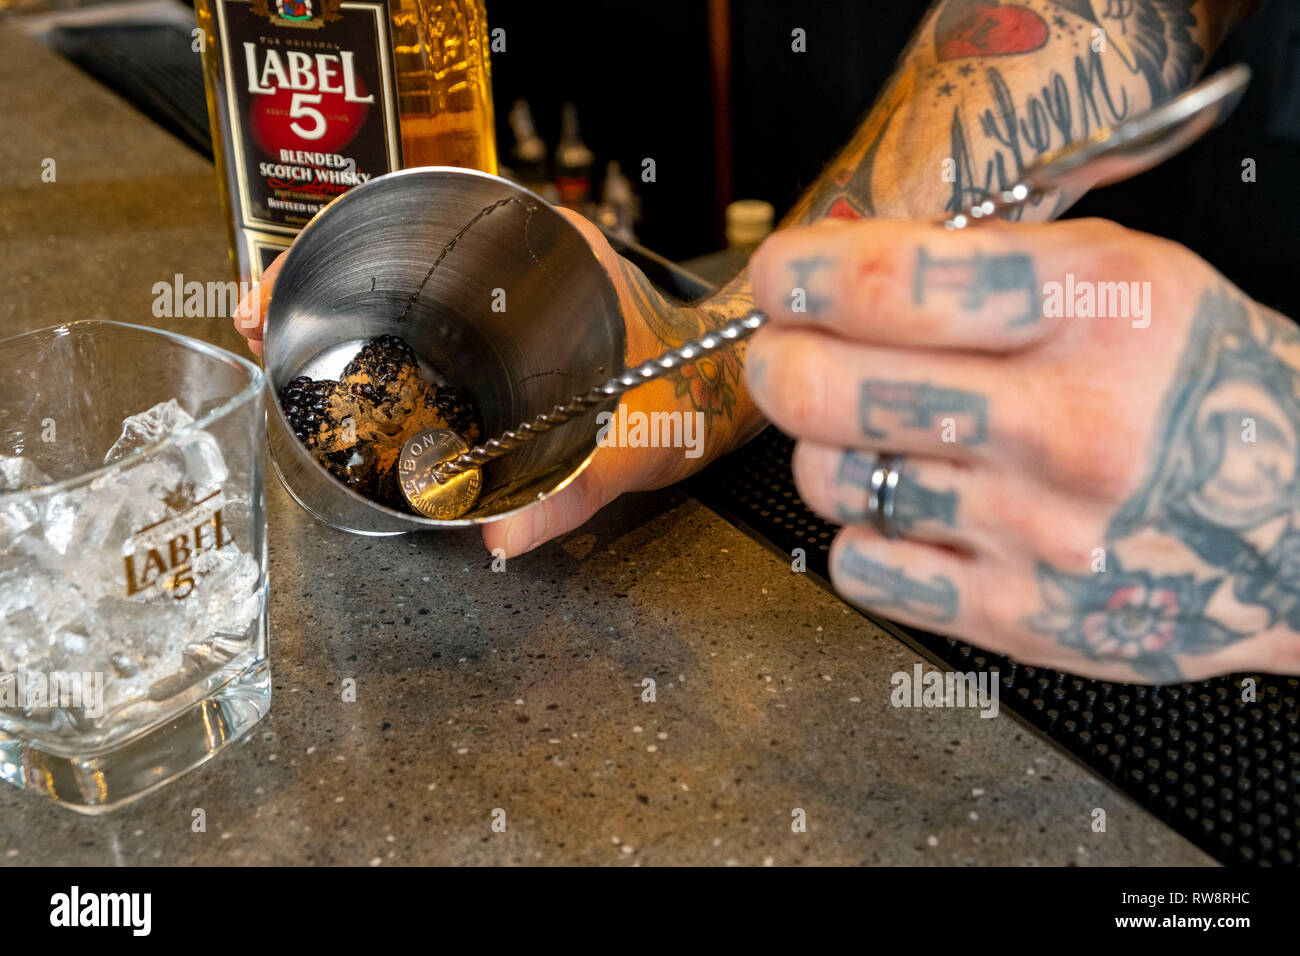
1108	483
983	90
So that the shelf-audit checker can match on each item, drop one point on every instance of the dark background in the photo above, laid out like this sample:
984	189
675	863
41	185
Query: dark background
639	74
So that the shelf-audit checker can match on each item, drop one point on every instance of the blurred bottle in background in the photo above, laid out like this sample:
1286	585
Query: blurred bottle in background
528	155
619	207
444	83
748	223
573	163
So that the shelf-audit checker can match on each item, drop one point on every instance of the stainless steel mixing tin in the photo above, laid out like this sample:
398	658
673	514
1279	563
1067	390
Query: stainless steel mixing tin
496	291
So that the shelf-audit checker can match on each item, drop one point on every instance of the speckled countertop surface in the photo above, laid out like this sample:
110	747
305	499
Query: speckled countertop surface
518	690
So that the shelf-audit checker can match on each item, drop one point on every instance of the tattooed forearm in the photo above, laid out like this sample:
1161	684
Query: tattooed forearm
1208	551
1111	57
918	405
885	588
711	383
1014	132
986	88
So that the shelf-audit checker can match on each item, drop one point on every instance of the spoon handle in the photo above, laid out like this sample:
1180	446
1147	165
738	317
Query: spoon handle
736	330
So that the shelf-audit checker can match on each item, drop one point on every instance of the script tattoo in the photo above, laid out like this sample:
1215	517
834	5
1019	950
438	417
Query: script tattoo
1052	117
886	588
917	404
913	501
1222	490
1152	39
979	278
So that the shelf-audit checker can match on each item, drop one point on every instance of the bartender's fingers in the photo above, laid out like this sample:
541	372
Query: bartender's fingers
960	407
919	284
562	512
918	584
250	315
934	501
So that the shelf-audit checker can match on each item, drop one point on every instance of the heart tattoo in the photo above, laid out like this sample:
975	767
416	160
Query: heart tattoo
987	28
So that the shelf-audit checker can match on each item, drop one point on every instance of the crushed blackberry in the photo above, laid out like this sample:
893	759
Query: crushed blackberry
356	427
355	468
306	404
456	409
387	491
384	369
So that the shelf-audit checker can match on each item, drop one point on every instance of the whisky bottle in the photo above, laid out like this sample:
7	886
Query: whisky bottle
310	98
573	162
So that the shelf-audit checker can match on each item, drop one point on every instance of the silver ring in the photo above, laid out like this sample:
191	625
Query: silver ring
884	485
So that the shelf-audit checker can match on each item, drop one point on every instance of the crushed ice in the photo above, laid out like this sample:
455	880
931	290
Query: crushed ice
63	597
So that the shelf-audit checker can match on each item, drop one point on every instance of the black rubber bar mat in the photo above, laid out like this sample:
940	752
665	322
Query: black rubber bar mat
151	66
1222	772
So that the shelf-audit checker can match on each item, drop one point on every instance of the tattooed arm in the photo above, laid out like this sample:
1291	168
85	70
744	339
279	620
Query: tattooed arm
985	88
982	90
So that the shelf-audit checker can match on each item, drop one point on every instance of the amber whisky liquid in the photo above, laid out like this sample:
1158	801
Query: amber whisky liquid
310	98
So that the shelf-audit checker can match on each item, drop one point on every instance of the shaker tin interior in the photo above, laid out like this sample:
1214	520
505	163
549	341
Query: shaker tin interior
365	516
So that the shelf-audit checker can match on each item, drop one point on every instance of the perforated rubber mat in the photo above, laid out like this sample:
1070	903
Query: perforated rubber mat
1222	772
151	66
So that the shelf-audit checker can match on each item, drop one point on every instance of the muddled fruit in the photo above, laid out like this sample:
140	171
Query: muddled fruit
356	427
306	404
456	409
384	371
354	467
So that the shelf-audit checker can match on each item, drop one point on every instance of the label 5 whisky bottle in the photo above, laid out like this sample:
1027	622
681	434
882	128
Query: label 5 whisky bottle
309	98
